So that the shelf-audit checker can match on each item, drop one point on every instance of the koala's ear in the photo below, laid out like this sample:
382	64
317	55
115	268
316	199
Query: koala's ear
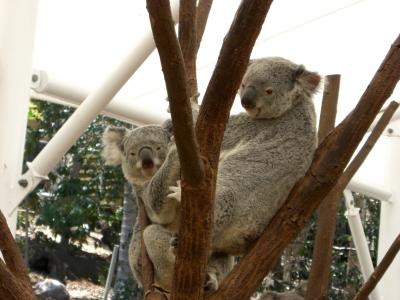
113	145
308	80
167	126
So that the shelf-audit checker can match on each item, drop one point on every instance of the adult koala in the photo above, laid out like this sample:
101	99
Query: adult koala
263	153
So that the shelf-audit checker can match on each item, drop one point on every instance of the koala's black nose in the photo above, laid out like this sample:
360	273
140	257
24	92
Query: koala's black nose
146	157
249	98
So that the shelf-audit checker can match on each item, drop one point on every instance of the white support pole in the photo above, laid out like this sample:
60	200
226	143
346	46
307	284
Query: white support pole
124	109
370	189
17	28
390	211
360	242
86	113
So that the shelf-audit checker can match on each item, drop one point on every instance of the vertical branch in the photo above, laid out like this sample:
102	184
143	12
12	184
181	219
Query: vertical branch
379	271
175	78
329	161
187	41
326	224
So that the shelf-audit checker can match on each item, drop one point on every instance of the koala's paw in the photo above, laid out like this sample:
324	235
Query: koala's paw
175	191
211	283
173	243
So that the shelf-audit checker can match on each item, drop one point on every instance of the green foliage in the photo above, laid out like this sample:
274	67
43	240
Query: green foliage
82	194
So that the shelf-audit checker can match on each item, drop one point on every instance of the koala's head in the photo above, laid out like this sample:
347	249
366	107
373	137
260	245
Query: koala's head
140	151
273	85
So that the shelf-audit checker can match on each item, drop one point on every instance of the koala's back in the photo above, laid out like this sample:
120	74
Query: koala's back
261	160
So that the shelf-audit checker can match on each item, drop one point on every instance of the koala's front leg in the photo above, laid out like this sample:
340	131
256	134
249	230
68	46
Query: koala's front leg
160	208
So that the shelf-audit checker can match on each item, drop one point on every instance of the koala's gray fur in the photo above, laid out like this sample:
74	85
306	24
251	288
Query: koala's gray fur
141	152
264	152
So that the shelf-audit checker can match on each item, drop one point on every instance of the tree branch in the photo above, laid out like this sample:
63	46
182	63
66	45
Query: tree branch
14	279
198	191
322	254
329	161
187	41
178	95
379	271
233	59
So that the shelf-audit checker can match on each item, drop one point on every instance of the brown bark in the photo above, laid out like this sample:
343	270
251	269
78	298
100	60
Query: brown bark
203	10
198	190
379	271
326	224
147	266
14	280
329	161
221	90
187	41
178	94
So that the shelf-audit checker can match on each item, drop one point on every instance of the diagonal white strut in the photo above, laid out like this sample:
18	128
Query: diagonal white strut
64	139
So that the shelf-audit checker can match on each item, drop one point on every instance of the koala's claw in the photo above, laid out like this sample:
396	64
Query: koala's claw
211	283
175	191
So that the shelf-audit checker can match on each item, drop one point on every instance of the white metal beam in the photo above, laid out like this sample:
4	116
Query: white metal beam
389	226
360	241
17	28
125	109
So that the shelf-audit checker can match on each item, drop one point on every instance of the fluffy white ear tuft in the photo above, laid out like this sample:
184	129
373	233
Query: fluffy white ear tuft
308	80
113	146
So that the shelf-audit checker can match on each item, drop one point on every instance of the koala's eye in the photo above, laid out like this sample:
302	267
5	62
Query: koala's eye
242	86
132	153
269	91
158	148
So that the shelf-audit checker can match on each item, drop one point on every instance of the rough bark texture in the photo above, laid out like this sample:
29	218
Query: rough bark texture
221	90
198	190
326	224
14	280
329	162
379	271
175	78
187	41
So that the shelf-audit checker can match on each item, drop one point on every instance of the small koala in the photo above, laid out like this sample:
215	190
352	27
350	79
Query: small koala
141	152
264	152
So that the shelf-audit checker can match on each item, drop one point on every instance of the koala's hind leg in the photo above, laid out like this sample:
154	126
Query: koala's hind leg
135	253
157	242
